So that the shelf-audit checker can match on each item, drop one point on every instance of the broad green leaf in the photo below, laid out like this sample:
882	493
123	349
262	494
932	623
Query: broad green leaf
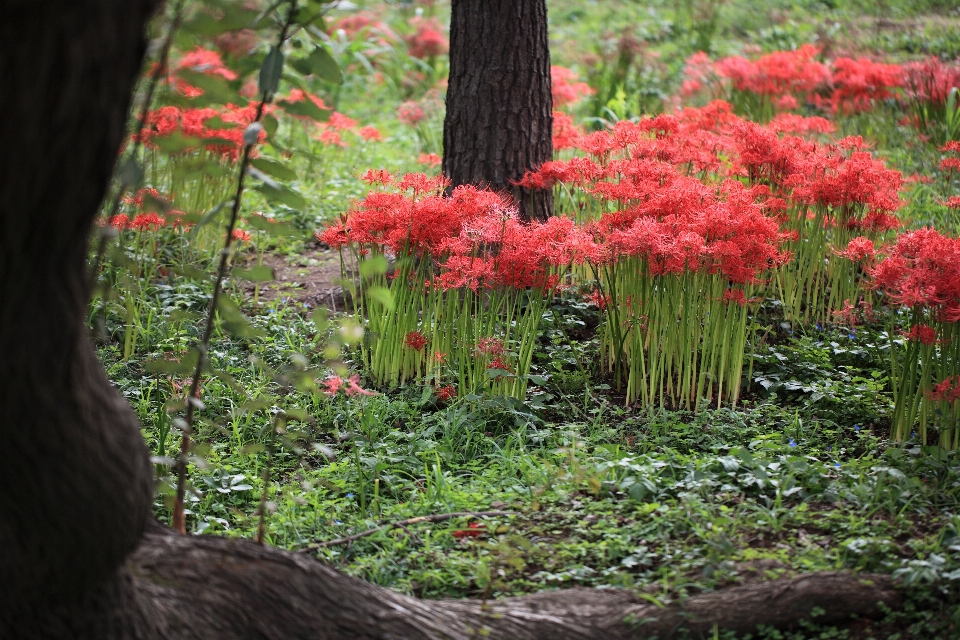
254	274
273	227
191	273
271	71
305	108
216	90
274	168
235	322
183	365
374	265
324	66
381	295
270	125
282	195
175	143
232	16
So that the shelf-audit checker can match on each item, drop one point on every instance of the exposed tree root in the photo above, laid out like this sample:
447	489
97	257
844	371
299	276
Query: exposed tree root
208	587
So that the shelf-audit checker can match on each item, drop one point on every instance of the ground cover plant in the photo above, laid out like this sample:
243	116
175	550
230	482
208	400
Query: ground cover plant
730	356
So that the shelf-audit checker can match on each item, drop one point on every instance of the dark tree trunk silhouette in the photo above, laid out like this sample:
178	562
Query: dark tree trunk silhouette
79	554
499	116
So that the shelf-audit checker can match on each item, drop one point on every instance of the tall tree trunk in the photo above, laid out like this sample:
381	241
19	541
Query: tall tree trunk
499	116
76	480
75	477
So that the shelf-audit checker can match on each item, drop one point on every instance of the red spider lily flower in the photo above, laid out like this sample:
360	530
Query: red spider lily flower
332	385
411	113
415	340
240	235
491	346
331	137
858	84
335	236
566	135
473	530
930	81
794	123
953	202
439	357
597	299
564	87
859	249
735	295
499	363
446	393
380	176
922	269
119	222
202	61
428	41
354	388
430	159
947	390
370	134
147	222
341	122
920	332
776	74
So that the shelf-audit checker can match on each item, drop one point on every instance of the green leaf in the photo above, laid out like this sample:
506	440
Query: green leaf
191	273
381	295
274	168
305	108
271	71
273	227
234	322
216	90
254	274
183	365
282	195
374	265
232	16
270	125
324	66
175	143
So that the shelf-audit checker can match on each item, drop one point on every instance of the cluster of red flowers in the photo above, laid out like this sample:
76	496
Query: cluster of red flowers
792	78
351	386
922	269
428	40
947	390
952	161
473	236
638	165
565	88
148	220
931	80
200	60
226	141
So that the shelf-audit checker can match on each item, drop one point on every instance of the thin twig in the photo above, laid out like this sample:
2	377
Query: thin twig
178	519
402	524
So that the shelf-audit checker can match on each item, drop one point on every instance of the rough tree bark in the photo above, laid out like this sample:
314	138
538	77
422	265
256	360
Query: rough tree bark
76	480
499	118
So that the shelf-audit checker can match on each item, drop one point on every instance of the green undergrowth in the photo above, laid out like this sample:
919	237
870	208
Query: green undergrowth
797	479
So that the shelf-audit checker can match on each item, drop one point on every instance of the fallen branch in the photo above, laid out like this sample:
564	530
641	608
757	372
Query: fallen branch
402	524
